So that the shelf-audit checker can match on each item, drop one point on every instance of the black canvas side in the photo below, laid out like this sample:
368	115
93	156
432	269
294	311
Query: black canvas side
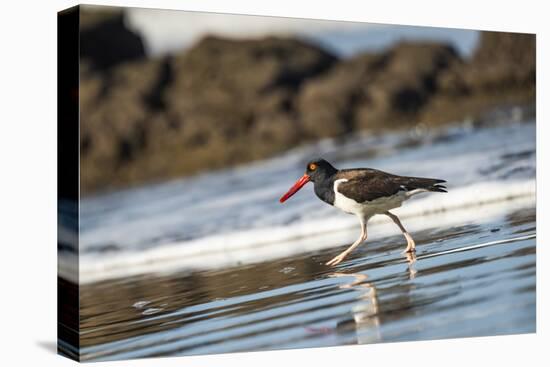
68	179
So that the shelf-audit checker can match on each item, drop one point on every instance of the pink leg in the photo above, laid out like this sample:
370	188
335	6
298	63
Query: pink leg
338	259
411	246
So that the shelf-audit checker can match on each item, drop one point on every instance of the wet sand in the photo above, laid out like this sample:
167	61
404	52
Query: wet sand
468	280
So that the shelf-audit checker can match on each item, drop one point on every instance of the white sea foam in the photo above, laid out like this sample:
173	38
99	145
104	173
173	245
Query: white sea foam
233	216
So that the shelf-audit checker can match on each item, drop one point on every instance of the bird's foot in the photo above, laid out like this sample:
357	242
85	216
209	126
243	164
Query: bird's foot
338	259
409	250
411	245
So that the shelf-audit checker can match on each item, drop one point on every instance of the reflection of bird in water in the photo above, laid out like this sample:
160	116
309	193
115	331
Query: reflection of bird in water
365	316
364	192
411	259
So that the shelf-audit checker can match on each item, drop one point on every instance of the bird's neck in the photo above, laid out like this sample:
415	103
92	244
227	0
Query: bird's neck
324	189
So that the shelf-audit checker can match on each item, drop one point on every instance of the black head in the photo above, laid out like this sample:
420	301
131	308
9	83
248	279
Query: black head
319	169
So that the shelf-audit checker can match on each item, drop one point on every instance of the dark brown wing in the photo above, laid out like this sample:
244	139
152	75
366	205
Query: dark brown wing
369	184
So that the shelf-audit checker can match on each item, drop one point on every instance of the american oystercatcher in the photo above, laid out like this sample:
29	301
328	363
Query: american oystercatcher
364	192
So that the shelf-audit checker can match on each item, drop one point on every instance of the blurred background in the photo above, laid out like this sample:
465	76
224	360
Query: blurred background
167	94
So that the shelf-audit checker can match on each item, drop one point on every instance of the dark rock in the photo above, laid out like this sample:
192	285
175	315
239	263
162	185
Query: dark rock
502	61
501	72
221	102
105	41
114	120
327	103
368	91
228	84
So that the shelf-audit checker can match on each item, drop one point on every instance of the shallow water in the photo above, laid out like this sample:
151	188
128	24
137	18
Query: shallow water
468	280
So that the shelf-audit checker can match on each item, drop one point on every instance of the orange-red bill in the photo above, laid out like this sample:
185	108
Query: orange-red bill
297	186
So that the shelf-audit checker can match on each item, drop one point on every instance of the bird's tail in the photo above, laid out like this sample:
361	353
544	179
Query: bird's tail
420	184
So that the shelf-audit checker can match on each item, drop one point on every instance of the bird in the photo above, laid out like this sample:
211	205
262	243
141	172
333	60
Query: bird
364	192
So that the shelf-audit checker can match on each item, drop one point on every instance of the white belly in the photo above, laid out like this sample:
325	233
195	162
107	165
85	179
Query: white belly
367	208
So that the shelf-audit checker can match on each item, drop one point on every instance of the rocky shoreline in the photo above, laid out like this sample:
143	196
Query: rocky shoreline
224	102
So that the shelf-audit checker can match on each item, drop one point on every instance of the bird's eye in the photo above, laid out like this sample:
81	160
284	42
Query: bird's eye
312	166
